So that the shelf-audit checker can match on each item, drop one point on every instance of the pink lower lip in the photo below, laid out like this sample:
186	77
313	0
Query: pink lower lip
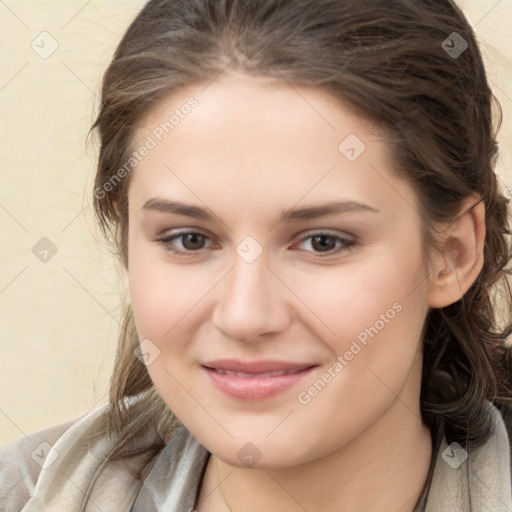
254	388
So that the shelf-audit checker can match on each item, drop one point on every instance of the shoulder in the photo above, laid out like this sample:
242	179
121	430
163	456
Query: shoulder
65	466
21	462
506	416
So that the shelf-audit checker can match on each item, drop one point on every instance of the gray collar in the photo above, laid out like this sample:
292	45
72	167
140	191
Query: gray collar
183	462
479	483
82	478
174	480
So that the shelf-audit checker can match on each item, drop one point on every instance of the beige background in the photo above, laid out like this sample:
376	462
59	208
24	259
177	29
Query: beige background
59	319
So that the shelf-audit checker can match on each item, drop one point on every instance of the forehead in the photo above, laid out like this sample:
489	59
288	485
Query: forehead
252	109
262	139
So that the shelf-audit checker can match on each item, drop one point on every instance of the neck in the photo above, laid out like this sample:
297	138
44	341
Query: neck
384	469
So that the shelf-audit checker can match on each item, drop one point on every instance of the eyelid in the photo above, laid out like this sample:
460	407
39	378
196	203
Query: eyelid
330	232
348	240
165	239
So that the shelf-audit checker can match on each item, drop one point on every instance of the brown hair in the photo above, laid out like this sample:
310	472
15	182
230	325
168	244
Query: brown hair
386	58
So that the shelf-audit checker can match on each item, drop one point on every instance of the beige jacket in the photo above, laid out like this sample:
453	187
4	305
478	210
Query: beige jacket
53	471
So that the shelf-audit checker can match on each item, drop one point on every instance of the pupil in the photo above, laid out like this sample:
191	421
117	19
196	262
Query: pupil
323	245
193	237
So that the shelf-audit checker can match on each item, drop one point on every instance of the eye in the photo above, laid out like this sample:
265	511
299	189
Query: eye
191	241
323	244
327	243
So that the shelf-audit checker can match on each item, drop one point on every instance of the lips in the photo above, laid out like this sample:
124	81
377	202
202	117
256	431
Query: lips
255	380
276	373
255	367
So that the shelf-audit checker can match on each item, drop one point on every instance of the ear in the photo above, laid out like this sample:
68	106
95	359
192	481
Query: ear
460	258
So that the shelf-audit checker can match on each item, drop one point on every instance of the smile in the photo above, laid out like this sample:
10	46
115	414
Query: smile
257	380
259	375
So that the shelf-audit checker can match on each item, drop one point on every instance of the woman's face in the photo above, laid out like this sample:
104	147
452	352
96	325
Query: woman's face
288	322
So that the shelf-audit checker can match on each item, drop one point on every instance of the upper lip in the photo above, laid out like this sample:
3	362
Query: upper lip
256	367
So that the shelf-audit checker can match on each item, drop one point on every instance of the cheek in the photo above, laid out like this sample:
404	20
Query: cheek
161	296
398	314
161	293
380	296
375	314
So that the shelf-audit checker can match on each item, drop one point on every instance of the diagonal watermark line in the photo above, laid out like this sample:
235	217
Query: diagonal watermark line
395	394
14	76
15	424
301	300
73	219
305	194
76	14
432	270
287	492
406	505
213	213
89	500
79	78
194	305
283	78
487	13
199	403
14	14
90	294
429	273
14	218
13	279
275	428
215	488
490	489
217	76
16	483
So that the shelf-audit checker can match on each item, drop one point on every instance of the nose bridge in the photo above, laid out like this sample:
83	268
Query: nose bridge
248	287
250	301
249	277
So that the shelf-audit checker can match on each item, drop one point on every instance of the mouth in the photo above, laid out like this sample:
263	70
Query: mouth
276	373
255	380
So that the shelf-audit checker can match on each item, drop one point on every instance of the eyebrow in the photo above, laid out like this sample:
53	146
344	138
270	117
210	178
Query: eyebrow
286	217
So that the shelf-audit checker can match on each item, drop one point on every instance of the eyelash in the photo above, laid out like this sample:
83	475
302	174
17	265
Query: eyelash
346	243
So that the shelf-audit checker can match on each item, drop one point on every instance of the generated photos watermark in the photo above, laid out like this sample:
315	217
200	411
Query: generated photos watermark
454	455
357	345
151	142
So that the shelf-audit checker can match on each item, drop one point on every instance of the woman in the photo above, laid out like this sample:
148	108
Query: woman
303	196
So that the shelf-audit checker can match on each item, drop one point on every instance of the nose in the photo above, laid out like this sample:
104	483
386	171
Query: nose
252	302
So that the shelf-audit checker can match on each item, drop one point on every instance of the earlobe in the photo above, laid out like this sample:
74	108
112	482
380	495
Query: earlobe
460	259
